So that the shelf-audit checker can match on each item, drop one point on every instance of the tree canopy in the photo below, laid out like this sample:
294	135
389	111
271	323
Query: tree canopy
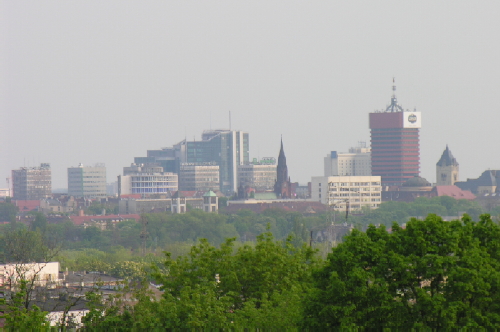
432	274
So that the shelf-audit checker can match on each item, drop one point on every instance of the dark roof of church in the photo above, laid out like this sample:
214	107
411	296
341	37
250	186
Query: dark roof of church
488	178
447	159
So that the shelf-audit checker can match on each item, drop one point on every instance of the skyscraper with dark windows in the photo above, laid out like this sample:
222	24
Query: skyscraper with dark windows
395	146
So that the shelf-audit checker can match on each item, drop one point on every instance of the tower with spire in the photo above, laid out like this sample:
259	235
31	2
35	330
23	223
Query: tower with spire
282	186
446	169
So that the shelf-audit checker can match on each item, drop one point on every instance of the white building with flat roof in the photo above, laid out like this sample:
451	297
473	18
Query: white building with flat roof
356	162
355	191
87	181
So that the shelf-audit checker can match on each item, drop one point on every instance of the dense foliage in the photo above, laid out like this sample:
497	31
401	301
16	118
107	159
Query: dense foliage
435	274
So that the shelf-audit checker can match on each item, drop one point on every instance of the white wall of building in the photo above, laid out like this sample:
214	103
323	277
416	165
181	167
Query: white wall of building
338	191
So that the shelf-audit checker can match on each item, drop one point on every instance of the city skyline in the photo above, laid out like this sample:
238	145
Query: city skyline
104	82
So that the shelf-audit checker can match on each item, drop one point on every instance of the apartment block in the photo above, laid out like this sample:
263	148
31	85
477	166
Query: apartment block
351	192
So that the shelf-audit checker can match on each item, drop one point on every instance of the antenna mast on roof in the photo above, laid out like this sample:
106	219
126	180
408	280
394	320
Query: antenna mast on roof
229	120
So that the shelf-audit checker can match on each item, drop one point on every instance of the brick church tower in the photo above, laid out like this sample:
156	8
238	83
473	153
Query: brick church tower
282	186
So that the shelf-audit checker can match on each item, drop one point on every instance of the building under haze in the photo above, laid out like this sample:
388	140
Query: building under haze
32	183
226	148
446	169
357	162
87	181
199	177
147	180
395	147
347	192
283	185
259	175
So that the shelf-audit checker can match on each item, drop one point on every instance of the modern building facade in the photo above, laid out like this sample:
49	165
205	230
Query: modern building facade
357	162
395	147
259	175
447	169
347	192
32	183
199	176
87	181
148	183
227	148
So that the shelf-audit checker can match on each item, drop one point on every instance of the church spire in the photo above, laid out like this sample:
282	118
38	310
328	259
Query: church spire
282	187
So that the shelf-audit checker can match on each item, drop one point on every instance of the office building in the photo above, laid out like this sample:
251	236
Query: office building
147	180
395	147
87	181
259	175
351	192
227	148
199	177
356	162
446	169
32	183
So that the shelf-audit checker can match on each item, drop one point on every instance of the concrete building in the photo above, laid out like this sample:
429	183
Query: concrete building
32	183
354	191
446	169
357	162
260	175
87	181
199	176
148	183
395	147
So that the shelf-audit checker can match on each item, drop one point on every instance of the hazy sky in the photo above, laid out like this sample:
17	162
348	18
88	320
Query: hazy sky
104	81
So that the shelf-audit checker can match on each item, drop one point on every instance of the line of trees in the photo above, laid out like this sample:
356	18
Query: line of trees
431	274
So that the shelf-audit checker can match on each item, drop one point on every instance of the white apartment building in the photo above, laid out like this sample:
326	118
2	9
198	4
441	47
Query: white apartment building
354	191
261	177
87	181
357	162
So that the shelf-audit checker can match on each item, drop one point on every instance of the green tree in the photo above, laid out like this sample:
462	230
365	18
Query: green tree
256	286
433	274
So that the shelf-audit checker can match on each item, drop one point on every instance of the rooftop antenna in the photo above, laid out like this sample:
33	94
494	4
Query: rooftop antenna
394	106
229	120
210	120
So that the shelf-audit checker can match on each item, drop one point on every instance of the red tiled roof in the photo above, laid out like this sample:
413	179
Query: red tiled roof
27	205
453	191
79	220
136	196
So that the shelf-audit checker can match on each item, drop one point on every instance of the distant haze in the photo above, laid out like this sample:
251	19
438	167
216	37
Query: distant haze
104	81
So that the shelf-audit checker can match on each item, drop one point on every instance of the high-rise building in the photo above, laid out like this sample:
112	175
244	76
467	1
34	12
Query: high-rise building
395	148
227	148
32	183
87	181
283	186
357	162
446	169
